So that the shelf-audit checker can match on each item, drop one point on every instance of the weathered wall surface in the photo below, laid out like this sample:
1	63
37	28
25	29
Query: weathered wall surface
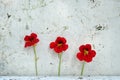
80	21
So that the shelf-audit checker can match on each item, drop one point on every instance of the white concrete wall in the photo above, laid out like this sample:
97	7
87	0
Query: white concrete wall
80	21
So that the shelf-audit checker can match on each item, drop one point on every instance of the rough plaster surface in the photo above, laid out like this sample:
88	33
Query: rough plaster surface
80	21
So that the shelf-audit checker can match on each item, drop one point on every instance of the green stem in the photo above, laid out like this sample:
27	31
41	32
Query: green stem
82	70
35	57
59	67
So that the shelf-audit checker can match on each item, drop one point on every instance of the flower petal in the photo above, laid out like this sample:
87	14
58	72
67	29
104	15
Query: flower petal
58	49
80	56
88	47
26	38
88	58
52	45
65	47
27	44
58	39
63	40
34	35
81	48
92	53
35	41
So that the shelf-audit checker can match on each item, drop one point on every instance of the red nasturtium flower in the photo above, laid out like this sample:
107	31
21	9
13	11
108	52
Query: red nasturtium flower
86	53
31	40
59	45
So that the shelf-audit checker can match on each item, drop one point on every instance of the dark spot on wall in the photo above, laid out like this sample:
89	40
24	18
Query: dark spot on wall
99	27
93	46
42	3
0	38
65	28
10	33
74	74
88	75
51	63
2	28
8	73
27	27
69	17
47	28
102	46
2	66
8	15
92	1
42	32
80	77
29	2
19	19
76	0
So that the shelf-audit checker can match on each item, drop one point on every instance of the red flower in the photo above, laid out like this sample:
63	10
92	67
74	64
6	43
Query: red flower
59	45
31	40
86	53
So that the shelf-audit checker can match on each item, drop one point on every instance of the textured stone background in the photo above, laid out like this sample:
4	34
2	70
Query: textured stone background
80	21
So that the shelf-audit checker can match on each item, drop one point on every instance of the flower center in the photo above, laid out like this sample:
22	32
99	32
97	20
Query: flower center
60	44
31	39
85	52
